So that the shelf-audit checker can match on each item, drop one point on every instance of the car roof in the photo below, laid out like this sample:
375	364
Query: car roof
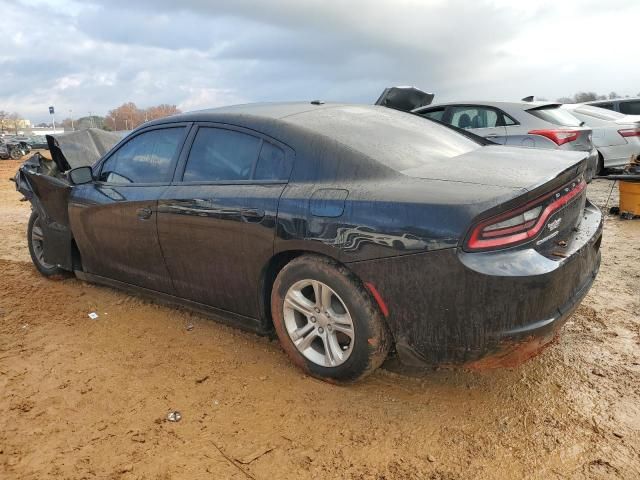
266	110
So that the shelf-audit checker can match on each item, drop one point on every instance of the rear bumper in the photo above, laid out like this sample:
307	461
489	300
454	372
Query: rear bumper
592	165
454	307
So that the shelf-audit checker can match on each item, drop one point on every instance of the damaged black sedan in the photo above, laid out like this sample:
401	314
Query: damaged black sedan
356	233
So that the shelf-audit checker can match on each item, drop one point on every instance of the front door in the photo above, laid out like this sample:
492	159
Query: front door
216	224
114	219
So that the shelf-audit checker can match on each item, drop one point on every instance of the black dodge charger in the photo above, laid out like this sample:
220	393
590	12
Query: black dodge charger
355	232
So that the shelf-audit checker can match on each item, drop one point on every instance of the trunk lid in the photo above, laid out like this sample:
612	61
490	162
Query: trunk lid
512	167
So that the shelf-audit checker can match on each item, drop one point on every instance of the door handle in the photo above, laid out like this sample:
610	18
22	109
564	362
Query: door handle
144	213
492	135
252	213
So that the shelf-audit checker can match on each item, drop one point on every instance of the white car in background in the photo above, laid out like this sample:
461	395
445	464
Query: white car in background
616	136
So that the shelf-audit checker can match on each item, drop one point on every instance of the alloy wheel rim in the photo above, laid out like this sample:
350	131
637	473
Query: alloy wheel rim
37	241
318	323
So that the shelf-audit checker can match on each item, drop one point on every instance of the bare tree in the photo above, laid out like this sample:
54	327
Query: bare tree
128	116
585	97
3	116
14	119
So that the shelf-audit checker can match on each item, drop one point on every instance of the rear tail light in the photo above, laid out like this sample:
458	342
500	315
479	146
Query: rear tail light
523	223
559	137
630	132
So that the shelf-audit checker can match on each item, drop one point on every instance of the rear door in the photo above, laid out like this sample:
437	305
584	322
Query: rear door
113	219
216	222
484	121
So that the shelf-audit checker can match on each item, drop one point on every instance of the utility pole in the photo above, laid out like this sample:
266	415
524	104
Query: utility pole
71	114
52	112
91	119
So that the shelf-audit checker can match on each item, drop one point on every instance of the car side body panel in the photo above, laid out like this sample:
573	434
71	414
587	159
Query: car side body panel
114	227
216	239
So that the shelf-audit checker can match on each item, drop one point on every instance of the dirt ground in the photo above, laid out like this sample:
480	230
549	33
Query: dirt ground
82	398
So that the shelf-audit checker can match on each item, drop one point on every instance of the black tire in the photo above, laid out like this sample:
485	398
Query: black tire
600	170
16	154
371	339
45	269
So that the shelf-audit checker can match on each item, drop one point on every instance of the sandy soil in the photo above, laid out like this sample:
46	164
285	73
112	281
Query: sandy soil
84	398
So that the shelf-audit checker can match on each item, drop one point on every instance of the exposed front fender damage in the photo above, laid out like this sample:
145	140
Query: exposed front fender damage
48	196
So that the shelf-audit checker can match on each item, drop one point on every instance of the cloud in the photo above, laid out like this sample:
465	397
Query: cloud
95	55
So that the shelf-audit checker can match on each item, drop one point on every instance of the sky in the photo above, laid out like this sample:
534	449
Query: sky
92	55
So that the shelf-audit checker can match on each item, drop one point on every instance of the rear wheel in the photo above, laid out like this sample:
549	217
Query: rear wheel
326	321
35	237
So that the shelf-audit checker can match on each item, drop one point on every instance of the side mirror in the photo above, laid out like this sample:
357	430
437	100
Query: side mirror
81	175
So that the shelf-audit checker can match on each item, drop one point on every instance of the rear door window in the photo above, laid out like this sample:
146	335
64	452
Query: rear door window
272	164
630	108
553	114
221	155
474	117
435	114
146	158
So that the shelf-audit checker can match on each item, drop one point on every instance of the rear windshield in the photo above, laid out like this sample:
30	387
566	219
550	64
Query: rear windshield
555	115
599	113
399	140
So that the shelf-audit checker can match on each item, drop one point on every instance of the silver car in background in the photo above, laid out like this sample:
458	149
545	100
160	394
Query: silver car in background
616	136
628	106
525	124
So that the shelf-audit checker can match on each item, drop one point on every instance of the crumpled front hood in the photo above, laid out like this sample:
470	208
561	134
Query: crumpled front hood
81	148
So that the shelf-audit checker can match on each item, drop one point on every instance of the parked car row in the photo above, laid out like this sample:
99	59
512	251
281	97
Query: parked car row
522	124
14	148
609	130
352	232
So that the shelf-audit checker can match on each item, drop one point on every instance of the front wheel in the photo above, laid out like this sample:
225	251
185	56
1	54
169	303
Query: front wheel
35	237
327	321
16	154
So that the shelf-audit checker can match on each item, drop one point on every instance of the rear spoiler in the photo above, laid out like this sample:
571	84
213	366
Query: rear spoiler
405	99
545	105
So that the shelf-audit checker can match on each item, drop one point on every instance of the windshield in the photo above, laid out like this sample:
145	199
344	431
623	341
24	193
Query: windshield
555	115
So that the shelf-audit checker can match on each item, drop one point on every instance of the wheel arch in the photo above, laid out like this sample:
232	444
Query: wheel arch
278	262
600	169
